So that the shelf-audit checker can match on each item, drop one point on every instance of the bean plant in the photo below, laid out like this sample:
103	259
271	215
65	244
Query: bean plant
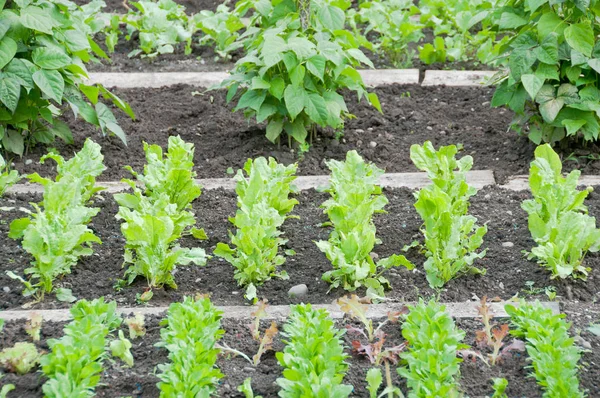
432	368
452	237
355	198
221	29
263	206
57	235
552	352
553	66
313	358
558	219
157	216
44	46
295	67
8	177
190	333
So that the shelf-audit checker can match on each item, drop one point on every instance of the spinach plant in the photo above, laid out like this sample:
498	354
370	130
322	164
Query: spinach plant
553	66
74	365
190	333
355	197
158	25
558	219
44	46
8	177
263	206
295	67
57	235
551	350
313	358
432	368
451	235
221	29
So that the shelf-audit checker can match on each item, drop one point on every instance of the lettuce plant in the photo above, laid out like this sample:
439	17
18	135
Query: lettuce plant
20	358
7	177
313	358
189	333
56	235
551	350
297	61
451	236
432	368
553	66
74	365
558	219
355	197
44	46
263	205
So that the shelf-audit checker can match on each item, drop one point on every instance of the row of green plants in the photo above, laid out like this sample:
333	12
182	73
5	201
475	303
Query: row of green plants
158	212
314	357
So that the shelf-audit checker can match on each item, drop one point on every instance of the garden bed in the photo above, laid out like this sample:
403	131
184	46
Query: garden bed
507	270
141	382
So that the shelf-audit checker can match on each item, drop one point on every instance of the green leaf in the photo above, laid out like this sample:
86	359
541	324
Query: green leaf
573	126
520	62
532	84
594	329
107	121
550	23
8	49
535	4
331	17
274	129
10	91
277	87
548	51
252	99
374	100
294	100
316	66
580	36
509	20
13	142
38	19
51	83
595	64
316	108
550	109
50	58
65	295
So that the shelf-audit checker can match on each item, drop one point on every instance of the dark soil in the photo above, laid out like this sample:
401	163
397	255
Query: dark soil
140	381
507	270
223	139
191	6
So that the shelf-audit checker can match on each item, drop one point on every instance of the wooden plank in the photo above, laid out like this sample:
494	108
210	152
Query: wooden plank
457	310
521	182
456	77
477	178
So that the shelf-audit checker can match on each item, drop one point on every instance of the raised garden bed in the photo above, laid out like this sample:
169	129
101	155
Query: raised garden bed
507	269
140	381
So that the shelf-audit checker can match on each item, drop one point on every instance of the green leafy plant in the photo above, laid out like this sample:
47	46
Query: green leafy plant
391	21
158	25
221	29
44	47
189	333
246	389
553	67
297	61
451	236
263	206
56	235
74	365
7	177
136	326
552	351
20	358
500	385
558	219
6	389
33	326
432	368
120	348
355	197
157	216
313	357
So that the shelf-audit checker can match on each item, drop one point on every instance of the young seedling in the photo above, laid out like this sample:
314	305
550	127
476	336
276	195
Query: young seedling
551	350
500	385
20	359
355	198
136	326
375	379
34	326
246	389
452	237
7	177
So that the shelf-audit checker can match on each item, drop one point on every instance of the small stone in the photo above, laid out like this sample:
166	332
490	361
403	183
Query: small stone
580	341
235	293
487	196
28	162
509	212
198	280
429	128
486	103
442	132
507	244
370	129
372	144
249	369
298	290
6	289
359	143
359	131
501	285
374	256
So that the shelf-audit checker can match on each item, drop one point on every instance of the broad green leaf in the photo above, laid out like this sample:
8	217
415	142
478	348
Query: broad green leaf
18	70
550	109
13	142
550	23
316	108
509	20
8	49
532	84
38	19
274	129
595	64
535	4
277	87
252	99
51	83
50	58
548	51
573	126
294	100
331	17
10	92
580	36
316	66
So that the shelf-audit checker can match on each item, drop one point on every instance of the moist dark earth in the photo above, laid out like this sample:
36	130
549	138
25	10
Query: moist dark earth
509	273
140	381
412	114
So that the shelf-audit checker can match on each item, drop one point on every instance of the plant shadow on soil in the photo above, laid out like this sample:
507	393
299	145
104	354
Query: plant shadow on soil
140	381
